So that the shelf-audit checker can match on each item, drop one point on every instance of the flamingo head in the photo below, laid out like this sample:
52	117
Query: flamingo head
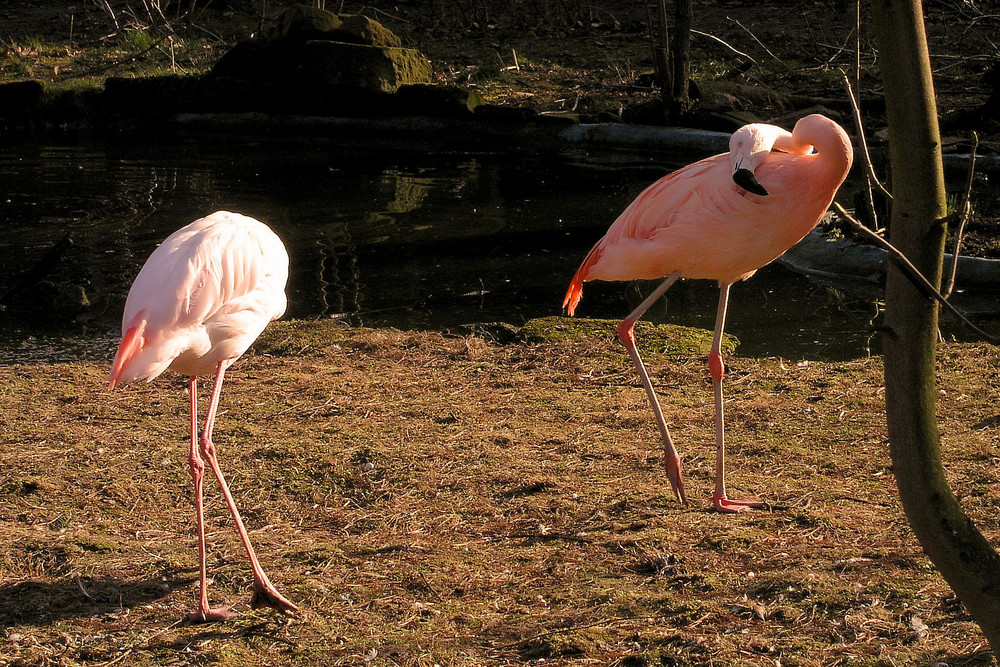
748	148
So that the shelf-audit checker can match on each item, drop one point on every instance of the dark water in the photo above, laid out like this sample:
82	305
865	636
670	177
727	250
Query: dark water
377	235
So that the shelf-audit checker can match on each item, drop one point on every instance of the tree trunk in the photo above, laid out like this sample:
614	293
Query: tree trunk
963	556
661	54
672	58
680	60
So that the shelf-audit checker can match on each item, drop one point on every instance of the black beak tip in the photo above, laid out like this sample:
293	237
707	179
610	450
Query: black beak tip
746	180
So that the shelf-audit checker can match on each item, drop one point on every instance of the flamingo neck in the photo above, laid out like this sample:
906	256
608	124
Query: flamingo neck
833	151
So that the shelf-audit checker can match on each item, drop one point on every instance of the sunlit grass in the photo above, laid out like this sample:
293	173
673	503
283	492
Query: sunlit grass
131	53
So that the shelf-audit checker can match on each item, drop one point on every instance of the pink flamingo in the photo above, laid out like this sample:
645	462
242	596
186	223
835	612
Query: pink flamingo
200	300
721	218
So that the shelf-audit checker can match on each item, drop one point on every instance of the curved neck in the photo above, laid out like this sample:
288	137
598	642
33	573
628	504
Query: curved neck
832	145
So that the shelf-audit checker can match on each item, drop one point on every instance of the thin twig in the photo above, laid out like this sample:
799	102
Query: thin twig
124	655
166	21
111	13
869	167
754	37
725	44
857	44
149	13
856	110
377	11
82	589
964	211
913	271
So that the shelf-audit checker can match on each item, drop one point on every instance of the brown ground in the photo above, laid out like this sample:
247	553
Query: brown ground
433	500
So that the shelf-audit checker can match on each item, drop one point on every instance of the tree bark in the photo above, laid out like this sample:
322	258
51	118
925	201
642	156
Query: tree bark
964	557
672	58
680	60
661	54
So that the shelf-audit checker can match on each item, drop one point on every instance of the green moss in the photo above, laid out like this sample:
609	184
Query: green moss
669	340
301	338
97	545
136	41
572	643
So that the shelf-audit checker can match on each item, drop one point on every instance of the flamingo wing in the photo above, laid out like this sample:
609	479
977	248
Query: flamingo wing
665	223
698	223
203	296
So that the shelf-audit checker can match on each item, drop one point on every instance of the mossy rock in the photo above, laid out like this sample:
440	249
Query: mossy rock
259	61
316	47
308	23
437	101
304	23
669	340
346	101
382	69
367	31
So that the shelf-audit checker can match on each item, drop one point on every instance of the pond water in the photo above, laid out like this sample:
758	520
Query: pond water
378	235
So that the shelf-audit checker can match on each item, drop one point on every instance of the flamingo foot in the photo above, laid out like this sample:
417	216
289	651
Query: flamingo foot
207	615
723	504
673	466
266	595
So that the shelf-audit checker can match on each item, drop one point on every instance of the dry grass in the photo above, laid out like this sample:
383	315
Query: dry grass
434	500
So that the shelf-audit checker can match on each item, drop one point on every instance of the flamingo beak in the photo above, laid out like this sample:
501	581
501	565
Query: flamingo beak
745	179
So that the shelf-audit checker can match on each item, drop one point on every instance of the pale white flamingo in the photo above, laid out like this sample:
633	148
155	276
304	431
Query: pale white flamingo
200	300
721	218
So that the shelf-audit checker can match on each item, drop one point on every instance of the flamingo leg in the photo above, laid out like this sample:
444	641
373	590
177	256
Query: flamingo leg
717	367
264	592
626	334
204	613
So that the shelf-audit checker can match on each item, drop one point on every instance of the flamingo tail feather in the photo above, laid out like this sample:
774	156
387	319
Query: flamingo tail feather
575	291
132	343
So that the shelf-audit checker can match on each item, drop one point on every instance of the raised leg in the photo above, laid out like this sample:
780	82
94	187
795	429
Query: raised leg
264	592
626	334
717	368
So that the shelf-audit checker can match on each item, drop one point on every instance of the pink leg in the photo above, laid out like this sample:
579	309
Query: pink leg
626	334
717	368
264	592
204	613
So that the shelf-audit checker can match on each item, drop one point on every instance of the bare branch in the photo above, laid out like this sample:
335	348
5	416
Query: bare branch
754	37
724	43
869	167
913	272
963	211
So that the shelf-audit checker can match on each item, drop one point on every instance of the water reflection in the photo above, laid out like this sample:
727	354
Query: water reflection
378	236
